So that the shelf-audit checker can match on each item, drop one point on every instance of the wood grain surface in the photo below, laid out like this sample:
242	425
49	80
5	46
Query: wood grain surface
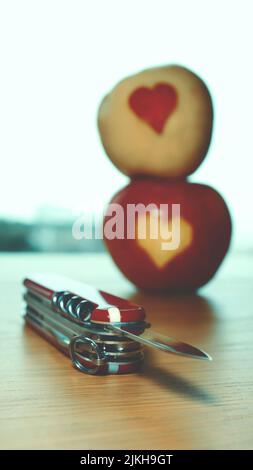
173	403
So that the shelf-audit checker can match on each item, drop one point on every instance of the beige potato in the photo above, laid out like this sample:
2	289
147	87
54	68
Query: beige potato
157	122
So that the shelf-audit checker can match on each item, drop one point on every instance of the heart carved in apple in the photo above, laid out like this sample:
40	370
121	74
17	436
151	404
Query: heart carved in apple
155	105
157	122
205	232
152	245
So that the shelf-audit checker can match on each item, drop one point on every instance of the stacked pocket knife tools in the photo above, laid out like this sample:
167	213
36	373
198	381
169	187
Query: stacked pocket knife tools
101	333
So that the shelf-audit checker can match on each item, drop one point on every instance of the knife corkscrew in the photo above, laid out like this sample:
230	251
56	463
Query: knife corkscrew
101	333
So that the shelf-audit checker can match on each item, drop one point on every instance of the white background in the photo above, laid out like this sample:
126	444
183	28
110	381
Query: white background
58	59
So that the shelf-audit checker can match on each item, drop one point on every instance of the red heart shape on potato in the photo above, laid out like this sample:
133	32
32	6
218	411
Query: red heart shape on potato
154	105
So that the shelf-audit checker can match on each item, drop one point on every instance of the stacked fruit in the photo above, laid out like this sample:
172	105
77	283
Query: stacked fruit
156	127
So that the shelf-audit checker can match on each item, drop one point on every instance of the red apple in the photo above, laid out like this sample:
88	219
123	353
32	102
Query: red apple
205	232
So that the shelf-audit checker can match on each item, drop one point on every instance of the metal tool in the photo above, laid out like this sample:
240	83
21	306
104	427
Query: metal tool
101	333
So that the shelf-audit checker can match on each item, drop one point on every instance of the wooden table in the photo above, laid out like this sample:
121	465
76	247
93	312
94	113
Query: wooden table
174	403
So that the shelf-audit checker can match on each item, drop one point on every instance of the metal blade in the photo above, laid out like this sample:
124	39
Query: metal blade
170	345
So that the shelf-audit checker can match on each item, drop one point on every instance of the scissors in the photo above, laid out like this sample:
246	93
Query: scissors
102	333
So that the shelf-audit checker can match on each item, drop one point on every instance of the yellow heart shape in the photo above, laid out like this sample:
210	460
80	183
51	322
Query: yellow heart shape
153	246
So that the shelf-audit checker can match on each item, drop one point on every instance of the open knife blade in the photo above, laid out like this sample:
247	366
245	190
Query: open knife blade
169	345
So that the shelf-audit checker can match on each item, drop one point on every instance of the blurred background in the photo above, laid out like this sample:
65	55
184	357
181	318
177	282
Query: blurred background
58	58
